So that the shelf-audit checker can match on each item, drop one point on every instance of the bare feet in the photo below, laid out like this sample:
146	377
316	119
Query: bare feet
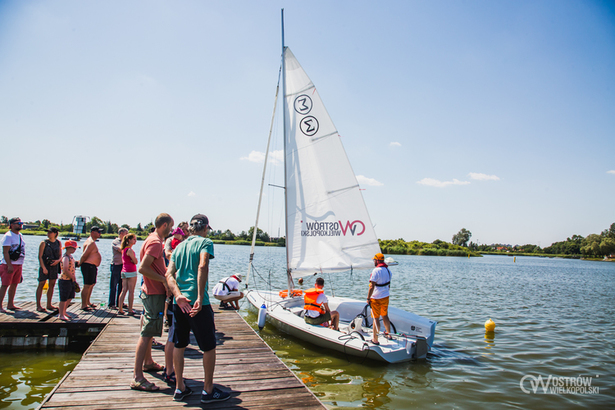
64	318
41	309
51	307
13	308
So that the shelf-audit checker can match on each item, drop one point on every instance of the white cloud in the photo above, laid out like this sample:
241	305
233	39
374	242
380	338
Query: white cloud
255	156
611	171
441	184
368	181
191	193
483	177
275	157
395	144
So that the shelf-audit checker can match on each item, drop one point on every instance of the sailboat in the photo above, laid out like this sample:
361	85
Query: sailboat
328	230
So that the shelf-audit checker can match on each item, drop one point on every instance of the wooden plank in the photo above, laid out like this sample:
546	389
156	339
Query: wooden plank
245	366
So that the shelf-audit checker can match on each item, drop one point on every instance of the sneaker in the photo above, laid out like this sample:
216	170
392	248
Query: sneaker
169	378
180	395
223	305
216	395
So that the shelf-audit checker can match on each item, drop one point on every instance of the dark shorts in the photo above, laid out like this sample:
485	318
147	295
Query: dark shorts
67	290
202	325
318	320
89	273
52	273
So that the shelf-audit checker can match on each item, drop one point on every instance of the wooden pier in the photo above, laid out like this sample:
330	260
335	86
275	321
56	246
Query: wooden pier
245	366
28	328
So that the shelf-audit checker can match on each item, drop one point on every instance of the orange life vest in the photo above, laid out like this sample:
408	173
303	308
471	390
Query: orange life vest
310	297
295	292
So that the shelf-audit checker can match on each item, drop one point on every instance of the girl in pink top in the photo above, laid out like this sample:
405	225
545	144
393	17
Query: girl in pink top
129	273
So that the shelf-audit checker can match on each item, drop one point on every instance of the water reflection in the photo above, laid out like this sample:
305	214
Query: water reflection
490	340
27	377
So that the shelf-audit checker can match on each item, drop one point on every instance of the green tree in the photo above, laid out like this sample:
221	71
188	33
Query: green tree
260	235
228	235
609	233
95	221
462	237
45	223
139	229
4	220
607	246
591	245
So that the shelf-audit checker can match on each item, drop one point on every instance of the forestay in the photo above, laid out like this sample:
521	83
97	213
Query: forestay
328	226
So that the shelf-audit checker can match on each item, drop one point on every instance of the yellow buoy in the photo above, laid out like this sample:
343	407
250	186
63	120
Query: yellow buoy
489	325
46	286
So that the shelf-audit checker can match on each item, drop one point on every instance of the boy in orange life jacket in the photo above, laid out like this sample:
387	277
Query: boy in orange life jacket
317	307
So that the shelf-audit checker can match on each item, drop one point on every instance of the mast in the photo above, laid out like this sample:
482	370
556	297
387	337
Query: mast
289	277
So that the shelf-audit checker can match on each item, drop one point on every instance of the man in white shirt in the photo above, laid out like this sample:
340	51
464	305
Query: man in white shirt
227	291
378	296
11	262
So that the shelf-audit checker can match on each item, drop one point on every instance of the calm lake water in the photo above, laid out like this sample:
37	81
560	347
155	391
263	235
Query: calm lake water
554	320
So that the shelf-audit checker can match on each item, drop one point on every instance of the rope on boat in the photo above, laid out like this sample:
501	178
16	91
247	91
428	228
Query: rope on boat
350	337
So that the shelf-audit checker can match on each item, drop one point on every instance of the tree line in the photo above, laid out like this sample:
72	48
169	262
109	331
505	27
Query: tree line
592	246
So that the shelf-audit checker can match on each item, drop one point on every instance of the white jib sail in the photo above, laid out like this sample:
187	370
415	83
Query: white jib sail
328	227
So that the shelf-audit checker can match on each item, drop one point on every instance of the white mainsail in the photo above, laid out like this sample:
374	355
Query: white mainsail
328	226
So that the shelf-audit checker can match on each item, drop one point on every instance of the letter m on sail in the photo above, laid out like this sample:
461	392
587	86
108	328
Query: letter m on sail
352	227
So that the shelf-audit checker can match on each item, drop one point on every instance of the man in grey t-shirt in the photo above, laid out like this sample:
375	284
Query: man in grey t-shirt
116	269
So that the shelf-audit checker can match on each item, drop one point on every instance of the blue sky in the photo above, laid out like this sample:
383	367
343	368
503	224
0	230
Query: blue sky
497	117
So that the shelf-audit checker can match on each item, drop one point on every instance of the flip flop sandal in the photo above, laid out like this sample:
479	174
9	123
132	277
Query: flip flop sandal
144	385
376	343
87	309
154	367
388	336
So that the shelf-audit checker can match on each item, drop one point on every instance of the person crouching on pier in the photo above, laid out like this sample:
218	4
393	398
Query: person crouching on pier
67	280
227	291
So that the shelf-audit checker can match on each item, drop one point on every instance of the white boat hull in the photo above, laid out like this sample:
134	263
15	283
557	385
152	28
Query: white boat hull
413	338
